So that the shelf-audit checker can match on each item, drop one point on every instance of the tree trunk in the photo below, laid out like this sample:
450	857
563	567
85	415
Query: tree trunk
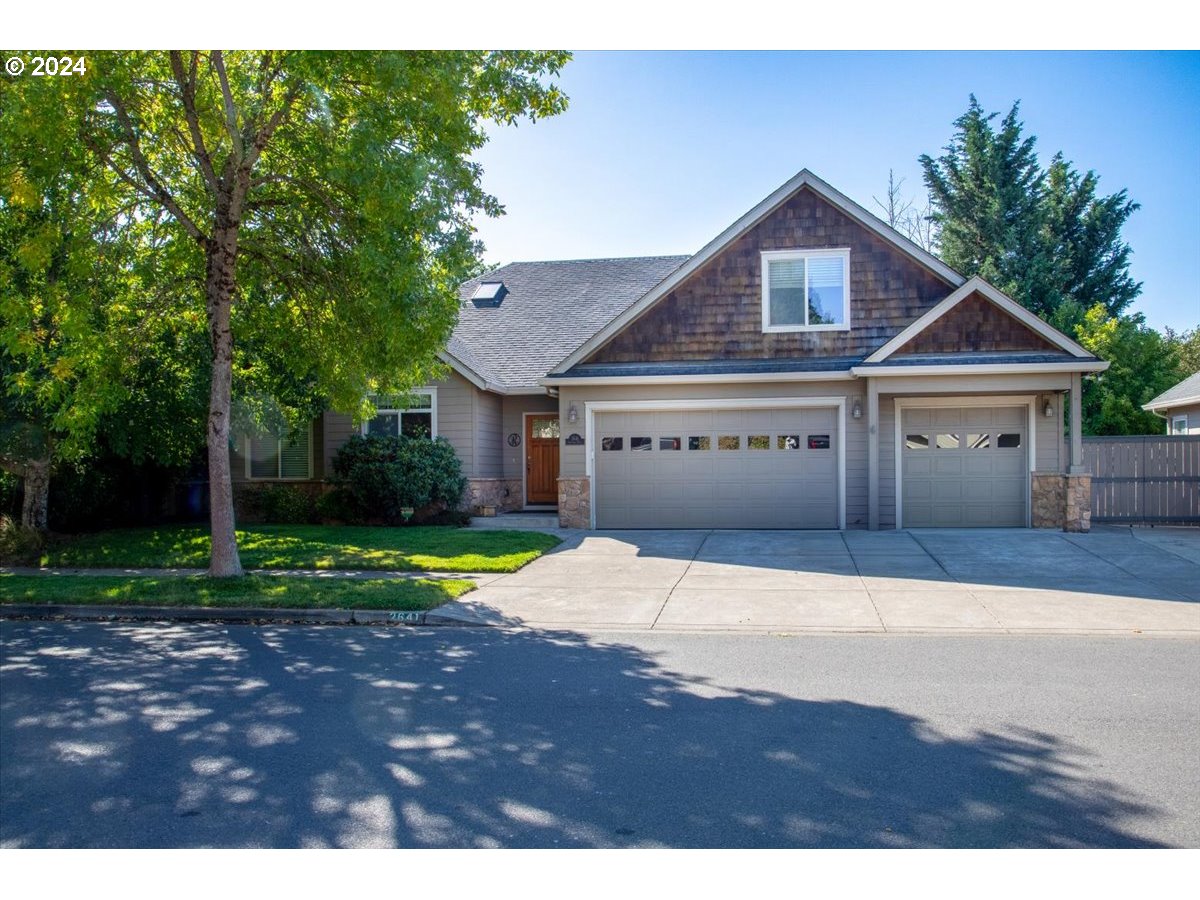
219	287
37	495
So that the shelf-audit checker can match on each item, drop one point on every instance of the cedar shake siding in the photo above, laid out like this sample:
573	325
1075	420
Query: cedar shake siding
717	313
979	326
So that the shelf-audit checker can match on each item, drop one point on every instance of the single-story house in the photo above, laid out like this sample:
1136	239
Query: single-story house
810	367
1180	406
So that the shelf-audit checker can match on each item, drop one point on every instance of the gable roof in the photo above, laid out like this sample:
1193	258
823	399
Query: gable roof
977	285
803	179
548	310
1187	391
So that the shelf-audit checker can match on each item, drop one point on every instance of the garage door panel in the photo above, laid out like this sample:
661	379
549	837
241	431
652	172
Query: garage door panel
766	482
954	474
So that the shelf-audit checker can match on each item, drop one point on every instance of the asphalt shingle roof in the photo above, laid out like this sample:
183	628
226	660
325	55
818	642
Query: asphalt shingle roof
551	308
1185	390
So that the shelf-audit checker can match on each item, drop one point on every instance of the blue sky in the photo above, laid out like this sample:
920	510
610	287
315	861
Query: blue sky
659	152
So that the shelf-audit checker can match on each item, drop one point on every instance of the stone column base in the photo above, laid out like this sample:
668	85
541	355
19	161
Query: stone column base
1062	501
574	502
502	494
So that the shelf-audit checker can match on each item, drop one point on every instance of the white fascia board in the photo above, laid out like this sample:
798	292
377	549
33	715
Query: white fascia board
742	377
1171	404
804	178
1003	301
1098	365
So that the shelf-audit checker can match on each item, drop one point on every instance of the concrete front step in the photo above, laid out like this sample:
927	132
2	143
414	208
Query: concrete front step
517	520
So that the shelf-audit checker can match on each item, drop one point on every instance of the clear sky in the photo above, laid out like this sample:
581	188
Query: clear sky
659	152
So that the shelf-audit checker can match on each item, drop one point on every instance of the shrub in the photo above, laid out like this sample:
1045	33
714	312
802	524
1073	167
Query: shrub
19	546
278	504
383	475
338	505
283	504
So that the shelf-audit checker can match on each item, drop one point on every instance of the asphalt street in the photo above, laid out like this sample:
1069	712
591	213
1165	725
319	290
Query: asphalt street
171	735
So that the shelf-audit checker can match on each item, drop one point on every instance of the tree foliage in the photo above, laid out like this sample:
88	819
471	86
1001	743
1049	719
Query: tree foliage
310	211
1042	236
1142	364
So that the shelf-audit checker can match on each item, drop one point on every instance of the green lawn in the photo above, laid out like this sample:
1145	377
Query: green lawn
418	549
278	592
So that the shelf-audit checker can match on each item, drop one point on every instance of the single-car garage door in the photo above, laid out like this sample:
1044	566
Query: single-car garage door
964	467
758	468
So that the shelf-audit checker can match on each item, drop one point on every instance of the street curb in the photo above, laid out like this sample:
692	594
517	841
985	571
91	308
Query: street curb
247	615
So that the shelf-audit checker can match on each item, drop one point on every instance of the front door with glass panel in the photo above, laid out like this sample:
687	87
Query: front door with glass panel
541	459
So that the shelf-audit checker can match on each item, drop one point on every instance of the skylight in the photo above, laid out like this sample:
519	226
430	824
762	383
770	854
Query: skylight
489	293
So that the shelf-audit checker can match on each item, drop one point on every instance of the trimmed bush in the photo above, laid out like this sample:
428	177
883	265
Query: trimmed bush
283	504
383	475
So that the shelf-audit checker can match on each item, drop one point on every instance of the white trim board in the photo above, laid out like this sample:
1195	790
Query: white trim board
716	378
979	369
1005	303
804	178
594	406
903	403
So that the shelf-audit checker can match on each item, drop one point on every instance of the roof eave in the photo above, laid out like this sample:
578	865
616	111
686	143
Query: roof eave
1155	405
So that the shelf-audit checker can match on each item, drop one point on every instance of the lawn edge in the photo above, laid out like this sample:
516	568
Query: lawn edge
242	615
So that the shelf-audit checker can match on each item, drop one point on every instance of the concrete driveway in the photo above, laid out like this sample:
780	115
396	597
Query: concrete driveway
1111	580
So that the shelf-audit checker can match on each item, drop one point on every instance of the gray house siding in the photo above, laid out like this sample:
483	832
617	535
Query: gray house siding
489	461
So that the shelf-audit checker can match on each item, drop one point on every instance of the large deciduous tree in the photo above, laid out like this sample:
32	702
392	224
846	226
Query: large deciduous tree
319	205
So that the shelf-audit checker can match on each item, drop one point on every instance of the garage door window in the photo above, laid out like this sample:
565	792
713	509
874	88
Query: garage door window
788	442
700	442
979	441
1006	441
612	443
916	442
669	443
641	444
759	442
729	442
947	441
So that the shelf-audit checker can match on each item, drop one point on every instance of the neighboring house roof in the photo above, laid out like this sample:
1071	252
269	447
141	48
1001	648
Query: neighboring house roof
1183	394
550	308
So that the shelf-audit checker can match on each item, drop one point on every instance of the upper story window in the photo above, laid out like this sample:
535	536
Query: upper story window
416	419
806	290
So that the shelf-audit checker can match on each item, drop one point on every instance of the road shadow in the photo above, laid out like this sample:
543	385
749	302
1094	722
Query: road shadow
153	735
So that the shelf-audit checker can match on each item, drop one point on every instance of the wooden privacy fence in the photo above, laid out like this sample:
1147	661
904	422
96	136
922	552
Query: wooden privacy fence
1151	479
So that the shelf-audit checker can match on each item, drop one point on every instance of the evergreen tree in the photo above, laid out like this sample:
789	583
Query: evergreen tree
1042	236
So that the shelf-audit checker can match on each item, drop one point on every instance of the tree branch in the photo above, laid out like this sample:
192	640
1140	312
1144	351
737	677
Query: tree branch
155	188
264	135
187	92
218	62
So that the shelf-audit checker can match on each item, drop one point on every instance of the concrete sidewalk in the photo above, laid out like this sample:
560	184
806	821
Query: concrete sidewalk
1113	580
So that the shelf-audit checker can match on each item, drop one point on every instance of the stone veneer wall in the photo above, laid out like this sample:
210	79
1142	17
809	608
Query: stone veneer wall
574	502
1078	490
1062	501
491	492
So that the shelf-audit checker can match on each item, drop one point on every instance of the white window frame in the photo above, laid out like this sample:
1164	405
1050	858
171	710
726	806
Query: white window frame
433	410
1175	424
248	446
769	256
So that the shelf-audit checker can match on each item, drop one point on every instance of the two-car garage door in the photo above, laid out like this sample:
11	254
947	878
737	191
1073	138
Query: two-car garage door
717	468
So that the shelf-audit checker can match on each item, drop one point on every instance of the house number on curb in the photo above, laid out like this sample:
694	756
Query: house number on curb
514	440
404	617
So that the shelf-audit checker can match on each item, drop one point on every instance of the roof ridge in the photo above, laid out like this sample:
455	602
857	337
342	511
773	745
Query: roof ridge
591	259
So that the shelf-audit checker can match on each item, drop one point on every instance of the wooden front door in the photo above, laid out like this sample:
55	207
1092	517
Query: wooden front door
541	459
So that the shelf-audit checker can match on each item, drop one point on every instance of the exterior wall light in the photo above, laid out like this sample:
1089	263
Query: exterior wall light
572	413
1048	410
856	410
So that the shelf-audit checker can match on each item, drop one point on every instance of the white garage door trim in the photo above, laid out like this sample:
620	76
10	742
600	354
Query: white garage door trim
903	403
594	406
